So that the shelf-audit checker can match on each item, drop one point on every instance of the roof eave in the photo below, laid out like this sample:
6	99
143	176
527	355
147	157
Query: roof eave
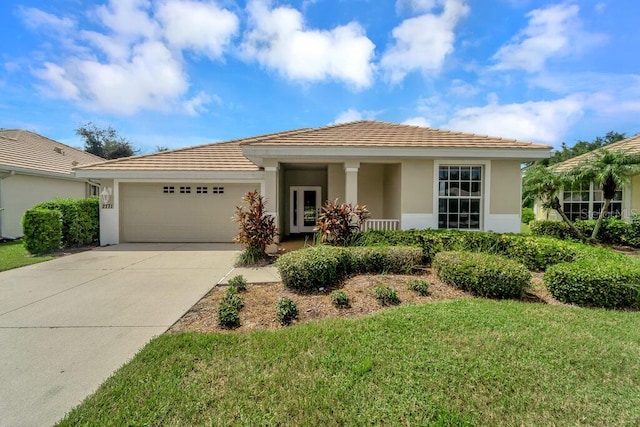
37	172
170	174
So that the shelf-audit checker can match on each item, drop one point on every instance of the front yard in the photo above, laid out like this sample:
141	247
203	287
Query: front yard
14	255
467	361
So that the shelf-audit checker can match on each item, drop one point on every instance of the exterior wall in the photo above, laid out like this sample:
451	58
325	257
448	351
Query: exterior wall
371	188
634	189
21	192
504	196
302	177
335	182
416	200
110	214
392	190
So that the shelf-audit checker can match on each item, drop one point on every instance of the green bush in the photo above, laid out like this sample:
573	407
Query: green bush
482	274
238	282
383	259
310	269
228	316
80	220
421	287
608	283
232	298
539	253
42	230
550	228
385	295
286	310
527	215
340	299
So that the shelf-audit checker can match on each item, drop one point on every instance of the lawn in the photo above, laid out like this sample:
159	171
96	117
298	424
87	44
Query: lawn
14	255
468	361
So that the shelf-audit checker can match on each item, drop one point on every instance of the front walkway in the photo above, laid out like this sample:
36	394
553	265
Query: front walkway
69	323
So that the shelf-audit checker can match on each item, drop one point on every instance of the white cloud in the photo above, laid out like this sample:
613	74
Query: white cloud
277	39
553	32
129	18
198	103
423	43
540	121
418	6
36	18
59	82
202	27
352	115
460	88
417	121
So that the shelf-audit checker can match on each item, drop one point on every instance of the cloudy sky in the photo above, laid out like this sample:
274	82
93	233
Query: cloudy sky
183	72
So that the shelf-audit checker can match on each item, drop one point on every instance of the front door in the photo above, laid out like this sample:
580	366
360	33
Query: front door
305	207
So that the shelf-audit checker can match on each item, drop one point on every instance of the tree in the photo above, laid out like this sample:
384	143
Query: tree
580	147
160	148
609	170
542	183
105	143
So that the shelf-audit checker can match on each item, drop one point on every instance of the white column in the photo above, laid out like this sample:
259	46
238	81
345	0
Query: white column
351	182
110	214
269	190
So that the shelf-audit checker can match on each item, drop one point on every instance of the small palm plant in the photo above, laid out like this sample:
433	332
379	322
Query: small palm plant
257	229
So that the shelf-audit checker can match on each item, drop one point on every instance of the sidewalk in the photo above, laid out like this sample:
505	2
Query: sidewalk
253	275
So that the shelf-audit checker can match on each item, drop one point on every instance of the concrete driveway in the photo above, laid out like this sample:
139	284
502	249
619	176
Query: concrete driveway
68	324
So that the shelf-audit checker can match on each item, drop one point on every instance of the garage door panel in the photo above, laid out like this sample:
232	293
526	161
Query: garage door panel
150	215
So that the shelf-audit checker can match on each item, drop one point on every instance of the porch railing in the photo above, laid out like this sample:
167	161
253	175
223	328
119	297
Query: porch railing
381	224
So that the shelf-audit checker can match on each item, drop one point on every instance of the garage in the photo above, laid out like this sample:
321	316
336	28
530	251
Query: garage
180	212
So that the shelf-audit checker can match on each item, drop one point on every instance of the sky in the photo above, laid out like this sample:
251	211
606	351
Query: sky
176	73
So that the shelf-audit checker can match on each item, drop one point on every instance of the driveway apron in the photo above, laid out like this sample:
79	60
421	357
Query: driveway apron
67	324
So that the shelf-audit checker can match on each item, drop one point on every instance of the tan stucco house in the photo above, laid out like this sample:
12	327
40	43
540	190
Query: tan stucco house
408	176
35	169
585	201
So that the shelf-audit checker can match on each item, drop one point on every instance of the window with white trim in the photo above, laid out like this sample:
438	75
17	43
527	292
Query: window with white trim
460	197
585	200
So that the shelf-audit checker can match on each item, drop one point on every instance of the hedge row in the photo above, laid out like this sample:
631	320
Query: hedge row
80	225
535	253
322	266
613	230
486	275
42	229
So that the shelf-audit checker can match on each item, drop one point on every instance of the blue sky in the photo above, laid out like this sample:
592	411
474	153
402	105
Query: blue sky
183	72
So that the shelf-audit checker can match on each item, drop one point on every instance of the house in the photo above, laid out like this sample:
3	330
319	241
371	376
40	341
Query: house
36	169
407	176
584	201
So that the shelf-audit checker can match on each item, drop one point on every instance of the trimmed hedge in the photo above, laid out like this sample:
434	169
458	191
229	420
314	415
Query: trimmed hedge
536	253
42	230
551	228
612	283
482	274
80	220
323	266
613	231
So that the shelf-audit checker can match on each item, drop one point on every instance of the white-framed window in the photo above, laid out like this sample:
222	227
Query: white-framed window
585	200
460	196
185	190
168	189
217	190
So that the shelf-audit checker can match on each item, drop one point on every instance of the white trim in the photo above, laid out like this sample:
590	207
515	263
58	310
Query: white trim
110	219
418	221
271	168
626	202
189	181
351	169
503	223
172	175
300	228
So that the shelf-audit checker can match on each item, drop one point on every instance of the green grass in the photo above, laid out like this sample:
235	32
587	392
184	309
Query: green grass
459	362
14	255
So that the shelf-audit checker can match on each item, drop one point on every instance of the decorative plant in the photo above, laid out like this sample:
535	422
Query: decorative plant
339	223
286	310
257	230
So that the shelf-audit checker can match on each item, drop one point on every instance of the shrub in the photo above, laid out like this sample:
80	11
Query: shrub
384	259
309	269
339	223
286	310
613	283
232	298
80	220
485	275
340	299
228	316
550	228
540	252
42	230
421	287
238	282
257	229
527	215
385	295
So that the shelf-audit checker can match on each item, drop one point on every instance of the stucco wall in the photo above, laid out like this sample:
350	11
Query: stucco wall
370	188
506	180
417	187
22	192
392	191
335	182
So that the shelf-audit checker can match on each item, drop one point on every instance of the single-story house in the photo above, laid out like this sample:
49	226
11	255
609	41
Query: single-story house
585	201
407	176
36	169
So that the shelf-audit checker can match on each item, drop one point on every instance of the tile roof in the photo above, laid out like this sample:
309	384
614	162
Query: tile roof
629	145
228	156
21	149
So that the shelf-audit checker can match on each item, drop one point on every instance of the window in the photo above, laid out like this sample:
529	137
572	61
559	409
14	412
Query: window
168	190
201	190
584	201
217	190
459	197
185	190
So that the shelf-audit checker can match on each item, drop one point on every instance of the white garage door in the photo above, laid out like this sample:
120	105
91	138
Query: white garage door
179	212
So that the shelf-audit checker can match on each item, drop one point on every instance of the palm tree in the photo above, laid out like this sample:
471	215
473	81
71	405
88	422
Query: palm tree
610	170
542	183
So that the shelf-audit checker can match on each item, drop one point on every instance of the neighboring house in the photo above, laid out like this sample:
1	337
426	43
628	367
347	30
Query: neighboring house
407	176
35	169
585	201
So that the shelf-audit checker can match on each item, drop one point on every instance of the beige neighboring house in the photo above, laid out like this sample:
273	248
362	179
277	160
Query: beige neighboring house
585	200
408	176
35	169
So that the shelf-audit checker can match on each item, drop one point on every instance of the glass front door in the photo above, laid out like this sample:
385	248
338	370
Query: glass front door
305	207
